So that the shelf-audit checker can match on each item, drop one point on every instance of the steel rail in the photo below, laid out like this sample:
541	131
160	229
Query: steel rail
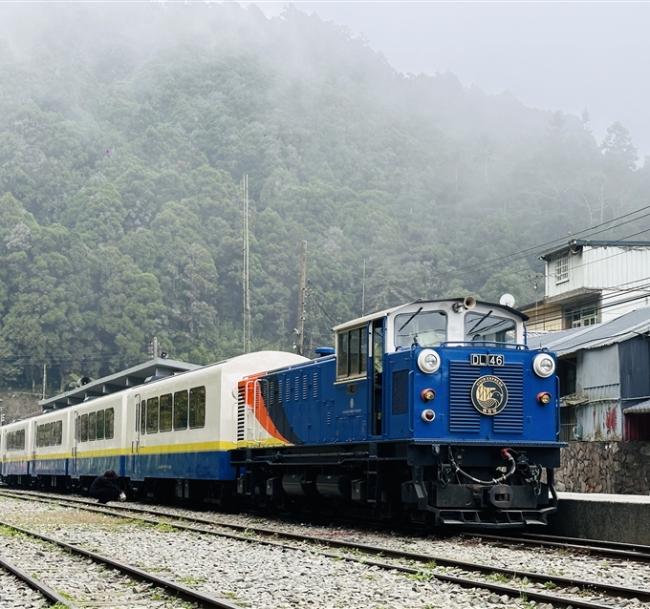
605	543
574	544
50	594
179	589
610	589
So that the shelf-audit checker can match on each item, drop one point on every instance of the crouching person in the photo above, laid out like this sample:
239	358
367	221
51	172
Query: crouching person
105	488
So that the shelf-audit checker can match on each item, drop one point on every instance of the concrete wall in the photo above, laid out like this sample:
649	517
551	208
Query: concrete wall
605	467
611	517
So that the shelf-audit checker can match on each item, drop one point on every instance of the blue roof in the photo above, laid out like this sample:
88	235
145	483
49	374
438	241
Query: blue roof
618	330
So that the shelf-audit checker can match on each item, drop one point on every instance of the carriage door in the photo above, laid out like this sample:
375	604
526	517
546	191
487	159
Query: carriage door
140	418
376	367
75	441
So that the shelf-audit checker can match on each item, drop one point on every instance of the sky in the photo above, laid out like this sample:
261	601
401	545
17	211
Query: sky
556	56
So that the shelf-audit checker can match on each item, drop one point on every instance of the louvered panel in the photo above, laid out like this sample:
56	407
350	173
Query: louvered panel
241	414
315	385
462	415
511	419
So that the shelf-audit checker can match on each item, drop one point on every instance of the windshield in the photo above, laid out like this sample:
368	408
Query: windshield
489	328
429	327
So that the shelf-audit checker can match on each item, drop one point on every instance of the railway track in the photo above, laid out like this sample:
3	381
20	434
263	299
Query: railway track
513	583
174	589
50	595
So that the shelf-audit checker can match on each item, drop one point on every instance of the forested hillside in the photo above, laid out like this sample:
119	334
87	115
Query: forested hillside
125	132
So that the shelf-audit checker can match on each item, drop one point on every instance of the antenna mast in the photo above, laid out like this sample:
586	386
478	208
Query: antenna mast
246	322
302	289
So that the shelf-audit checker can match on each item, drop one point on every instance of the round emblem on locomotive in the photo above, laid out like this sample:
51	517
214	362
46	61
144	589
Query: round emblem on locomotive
489	395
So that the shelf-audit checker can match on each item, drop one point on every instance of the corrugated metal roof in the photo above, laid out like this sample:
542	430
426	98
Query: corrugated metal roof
642	408
592	337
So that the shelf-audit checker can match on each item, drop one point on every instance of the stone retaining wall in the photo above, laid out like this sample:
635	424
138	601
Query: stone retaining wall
605	467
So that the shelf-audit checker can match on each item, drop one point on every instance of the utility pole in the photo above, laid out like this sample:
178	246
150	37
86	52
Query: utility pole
363	289
246	321
302	289
44	380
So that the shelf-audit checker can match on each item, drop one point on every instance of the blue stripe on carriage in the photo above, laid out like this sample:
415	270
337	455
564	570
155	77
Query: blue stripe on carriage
209	465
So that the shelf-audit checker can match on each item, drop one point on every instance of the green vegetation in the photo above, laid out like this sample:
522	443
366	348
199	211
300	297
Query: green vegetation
120	165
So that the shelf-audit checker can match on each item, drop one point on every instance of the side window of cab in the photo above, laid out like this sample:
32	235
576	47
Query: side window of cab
352	353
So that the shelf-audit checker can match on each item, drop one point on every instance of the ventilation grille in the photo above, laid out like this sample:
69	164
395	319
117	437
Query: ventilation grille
463	417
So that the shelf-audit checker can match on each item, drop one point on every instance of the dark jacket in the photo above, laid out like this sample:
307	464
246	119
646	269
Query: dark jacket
105	489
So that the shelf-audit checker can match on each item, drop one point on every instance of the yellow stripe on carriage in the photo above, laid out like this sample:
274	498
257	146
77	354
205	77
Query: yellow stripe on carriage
152	449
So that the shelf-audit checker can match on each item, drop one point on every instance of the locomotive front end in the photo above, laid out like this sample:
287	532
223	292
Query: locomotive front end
483	412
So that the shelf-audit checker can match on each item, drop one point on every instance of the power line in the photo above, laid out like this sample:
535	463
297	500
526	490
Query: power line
536	248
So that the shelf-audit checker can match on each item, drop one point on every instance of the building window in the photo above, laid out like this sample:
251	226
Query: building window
582	316
562	269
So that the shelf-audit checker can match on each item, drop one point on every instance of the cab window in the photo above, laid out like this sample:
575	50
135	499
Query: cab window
427	328
487	327
352	353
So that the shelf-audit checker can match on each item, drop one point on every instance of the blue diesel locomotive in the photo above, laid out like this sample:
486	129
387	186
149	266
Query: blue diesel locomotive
434	410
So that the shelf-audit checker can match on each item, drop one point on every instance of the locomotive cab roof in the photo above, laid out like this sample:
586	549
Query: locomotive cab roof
450	301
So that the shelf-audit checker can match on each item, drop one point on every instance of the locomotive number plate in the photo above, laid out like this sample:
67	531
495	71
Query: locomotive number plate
485	359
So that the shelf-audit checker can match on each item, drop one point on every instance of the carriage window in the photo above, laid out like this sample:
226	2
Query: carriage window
428	328
166	412
110	422
352	354
84	427
180	410
197	407
486	327
16	440
58	432
152	415
92	426
100	424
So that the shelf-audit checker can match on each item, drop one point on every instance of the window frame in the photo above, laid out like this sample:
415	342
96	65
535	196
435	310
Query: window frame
345	339
186	393
110	410
160	413
562	269
153	401
201	391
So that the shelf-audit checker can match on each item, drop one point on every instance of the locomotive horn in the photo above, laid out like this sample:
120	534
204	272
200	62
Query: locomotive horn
469	302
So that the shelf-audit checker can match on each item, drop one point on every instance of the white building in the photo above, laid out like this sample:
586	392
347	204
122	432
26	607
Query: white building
589	282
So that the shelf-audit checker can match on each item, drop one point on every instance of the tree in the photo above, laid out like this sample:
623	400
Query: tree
617	147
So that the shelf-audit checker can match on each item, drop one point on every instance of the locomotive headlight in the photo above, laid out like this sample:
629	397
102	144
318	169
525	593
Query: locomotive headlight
429	361
428	415
544	398
544	365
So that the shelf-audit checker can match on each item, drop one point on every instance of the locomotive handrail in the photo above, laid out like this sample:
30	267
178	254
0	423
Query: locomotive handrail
485	343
